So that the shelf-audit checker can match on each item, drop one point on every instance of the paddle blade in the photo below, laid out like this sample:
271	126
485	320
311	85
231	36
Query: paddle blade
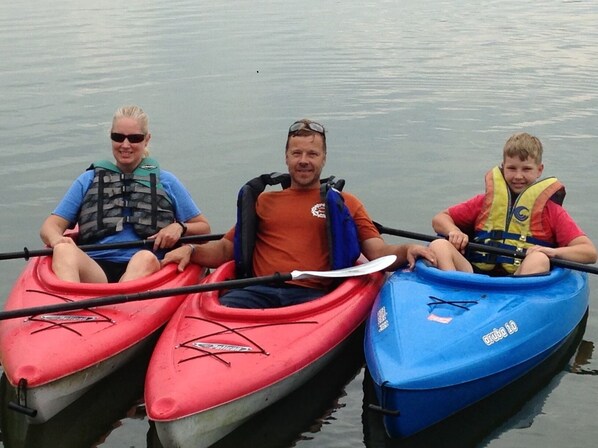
353	271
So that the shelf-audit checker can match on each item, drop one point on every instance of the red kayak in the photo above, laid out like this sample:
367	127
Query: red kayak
214	367
52	359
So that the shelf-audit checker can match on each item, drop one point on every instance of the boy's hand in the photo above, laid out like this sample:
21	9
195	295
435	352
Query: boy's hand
458	239
548	251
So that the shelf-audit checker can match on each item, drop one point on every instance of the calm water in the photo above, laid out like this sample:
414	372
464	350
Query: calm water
417	96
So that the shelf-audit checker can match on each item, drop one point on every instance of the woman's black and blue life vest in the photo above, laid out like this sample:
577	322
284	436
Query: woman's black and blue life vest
514	225
115	198
341	230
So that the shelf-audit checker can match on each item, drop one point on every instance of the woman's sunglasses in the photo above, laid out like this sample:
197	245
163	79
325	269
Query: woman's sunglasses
133	138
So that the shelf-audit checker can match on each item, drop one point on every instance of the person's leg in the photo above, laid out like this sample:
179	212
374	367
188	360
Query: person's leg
448	258
296	295
263	296
141	264
534	263
71	264
258	296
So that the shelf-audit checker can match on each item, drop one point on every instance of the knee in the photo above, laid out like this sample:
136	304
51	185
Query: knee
534	263
538	258
143	255
440	246
141	264
63	249
63	254
145	261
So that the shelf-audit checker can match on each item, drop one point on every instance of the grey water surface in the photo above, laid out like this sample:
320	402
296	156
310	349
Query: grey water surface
417	97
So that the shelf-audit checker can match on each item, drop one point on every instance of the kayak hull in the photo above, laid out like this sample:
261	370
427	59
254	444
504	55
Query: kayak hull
214	367
437	342
51	359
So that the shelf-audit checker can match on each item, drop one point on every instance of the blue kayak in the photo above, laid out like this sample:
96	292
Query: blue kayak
437	342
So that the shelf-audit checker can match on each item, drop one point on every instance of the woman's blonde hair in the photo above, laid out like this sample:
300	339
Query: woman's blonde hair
136	113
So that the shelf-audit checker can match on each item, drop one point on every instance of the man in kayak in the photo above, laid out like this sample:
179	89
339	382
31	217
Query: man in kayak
517	212
290	230
128	200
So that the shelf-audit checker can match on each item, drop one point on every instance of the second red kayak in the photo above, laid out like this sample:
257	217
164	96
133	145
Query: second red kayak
214	367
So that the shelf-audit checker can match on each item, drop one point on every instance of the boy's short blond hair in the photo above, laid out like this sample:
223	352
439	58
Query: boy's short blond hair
524	146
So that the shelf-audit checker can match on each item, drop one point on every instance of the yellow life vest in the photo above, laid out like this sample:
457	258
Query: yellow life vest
513	226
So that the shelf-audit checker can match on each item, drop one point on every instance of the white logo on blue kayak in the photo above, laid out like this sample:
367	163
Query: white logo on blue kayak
498	334
69	318
382	318
221	347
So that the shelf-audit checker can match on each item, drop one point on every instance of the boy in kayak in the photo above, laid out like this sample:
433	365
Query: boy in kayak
517	212
128	200
290	230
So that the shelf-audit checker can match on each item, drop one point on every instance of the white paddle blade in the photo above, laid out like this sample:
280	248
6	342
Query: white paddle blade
354	271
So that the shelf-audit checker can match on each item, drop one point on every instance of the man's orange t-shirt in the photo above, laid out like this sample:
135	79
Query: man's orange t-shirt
292	232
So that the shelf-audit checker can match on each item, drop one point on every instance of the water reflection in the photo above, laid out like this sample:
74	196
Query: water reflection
299	414
92	419
411	92
86	422
583	357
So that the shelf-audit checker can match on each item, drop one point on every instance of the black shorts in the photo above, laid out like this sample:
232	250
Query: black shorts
113	270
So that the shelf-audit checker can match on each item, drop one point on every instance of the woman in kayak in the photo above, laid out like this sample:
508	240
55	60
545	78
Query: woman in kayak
126	200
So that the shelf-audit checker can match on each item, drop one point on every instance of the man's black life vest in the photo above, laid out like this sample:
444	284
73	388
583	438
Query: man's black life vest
342	235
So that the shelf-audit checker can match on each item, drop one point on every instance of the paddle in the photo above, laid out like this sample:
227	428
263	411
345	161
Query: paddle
354	271
489	249
26	253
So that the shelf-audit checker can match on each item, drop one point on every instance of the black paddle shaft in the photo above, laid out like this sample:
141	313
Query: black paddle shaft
26	253
146	295
488	249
